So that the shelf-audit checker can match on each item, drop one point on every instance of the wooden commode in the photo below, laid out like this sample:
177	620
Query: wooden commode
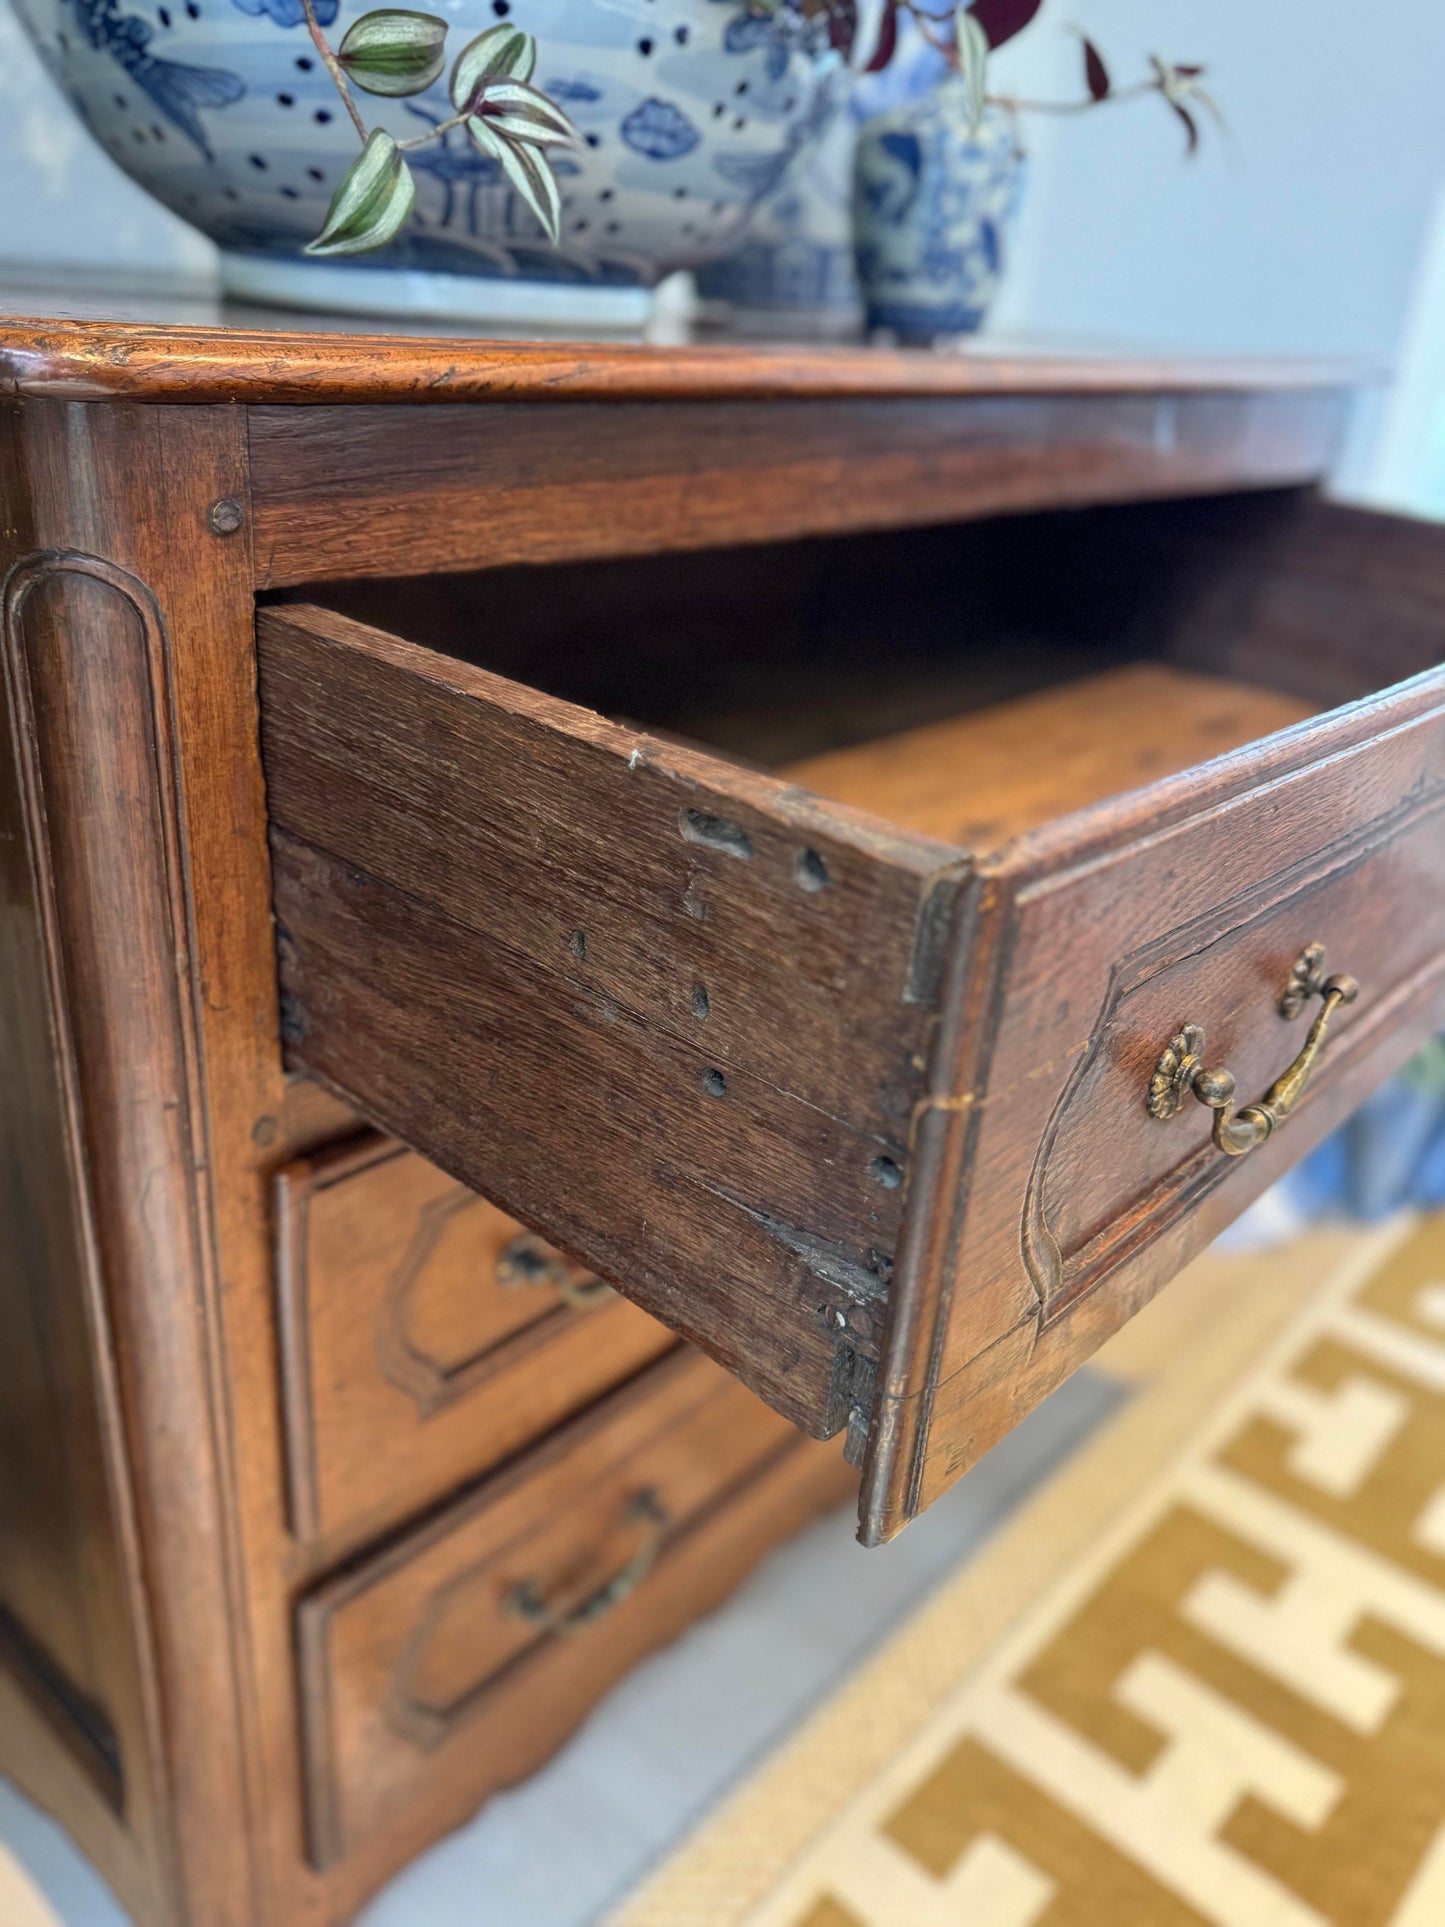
605	945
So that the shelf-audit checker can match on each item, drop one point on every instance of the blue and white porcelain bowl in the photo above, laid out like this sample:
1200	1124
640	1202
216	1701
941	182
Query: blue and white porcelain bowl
691	112
933	206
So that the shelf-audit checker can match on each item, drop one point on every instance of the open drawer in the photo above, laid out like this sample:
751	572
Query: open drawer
898	1114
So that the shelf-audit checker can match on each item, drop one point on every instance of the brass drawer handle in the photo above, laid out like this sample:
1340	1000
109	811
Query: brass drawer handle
528	1261
525	1601
1180	1070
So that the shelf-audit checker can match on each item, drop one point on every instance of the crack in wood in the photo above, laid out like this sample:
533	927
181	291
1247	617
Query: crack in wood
866	1282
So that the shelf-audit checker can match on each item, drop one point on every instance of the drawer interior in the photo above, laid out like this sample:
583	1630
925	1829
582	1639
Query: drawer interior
535	944
778	654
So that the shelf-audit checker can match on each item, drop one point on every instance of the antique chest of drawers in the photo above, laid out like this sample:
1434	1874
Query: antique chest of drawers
589	930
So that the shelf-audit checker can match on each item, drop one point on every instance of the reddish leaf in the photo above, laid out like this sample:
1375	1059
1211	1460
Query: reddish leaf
1002	19
1096	74
1190	73
842	25
887	39
1190	124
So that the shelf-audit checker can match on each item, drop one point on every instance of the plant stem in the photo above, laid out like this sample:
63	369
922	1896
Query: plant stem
333	67
1136	92
442	127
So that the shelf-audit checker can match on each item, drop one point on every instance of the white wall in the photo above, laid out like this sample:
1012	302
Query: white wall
1406	465
65	201
1301	232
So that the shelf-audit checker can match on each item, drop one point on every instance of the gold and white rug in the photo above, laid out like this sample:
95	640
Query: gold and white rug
1200	1678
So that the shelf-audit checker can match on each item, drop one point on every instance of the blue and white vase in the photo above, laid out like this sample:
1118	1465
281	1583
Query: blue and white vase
794	272
933	206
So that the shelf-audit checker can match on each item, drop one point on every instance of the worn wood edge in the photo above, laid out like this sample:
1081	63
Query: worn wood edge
1070	844
86	360
799	809
936	867
944	1128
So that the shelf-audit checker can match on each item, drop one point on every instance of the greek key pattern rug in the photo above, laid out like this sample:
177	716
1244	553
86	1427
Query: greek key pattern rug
1202	1680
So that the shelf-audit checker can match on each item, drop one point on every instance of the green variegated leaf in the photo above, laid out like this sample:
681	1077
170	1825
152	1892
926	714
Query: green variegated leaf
394	51
501	52
507	96
371	203
971	48
519	126
527	170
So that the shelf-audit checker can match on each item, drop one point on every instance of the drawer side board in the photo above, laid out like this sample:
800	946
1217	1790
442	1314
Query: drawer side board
669	1014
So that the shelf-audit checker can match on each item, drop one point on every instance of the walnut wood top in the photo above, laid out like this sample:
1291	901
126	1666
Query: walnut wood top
83	358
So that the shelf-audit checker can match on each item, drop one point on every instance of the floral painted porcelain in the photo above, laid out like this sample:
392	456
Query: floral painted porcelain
933	205
691	111
794	270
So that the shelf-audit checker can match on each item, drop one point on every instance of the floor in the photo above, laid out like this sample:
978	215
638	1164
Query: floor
808	1834
664	1746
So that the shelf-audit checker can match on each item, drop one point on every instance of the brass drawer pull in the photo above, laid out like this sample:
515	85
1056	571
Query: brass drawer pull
525	1601
528	1261
1181	1070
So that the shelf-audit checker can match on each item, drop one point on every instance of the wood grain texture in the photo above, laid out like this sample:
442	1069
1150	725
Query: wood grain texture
531	1712
381	490
1033	1170
63	1566
685	1007
1317	597
1198	890
107	588
979	780
96	360
149	1112
421	1685
73	1712
412	1360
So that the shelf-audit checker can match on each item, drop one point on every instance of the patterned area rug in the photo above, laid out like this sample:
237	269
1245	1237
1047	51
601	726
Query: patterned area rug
1201	1678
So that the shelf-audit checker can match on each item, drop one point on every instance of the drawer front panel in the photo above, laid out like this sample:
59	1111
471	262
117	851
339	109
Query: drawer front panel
446	1661
1108	1174
1094	943
425	1336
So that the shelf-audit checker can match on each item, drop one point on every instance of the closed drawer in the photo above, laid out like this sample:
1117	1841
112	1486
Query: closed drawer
860	1102
454	1662
425	1336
